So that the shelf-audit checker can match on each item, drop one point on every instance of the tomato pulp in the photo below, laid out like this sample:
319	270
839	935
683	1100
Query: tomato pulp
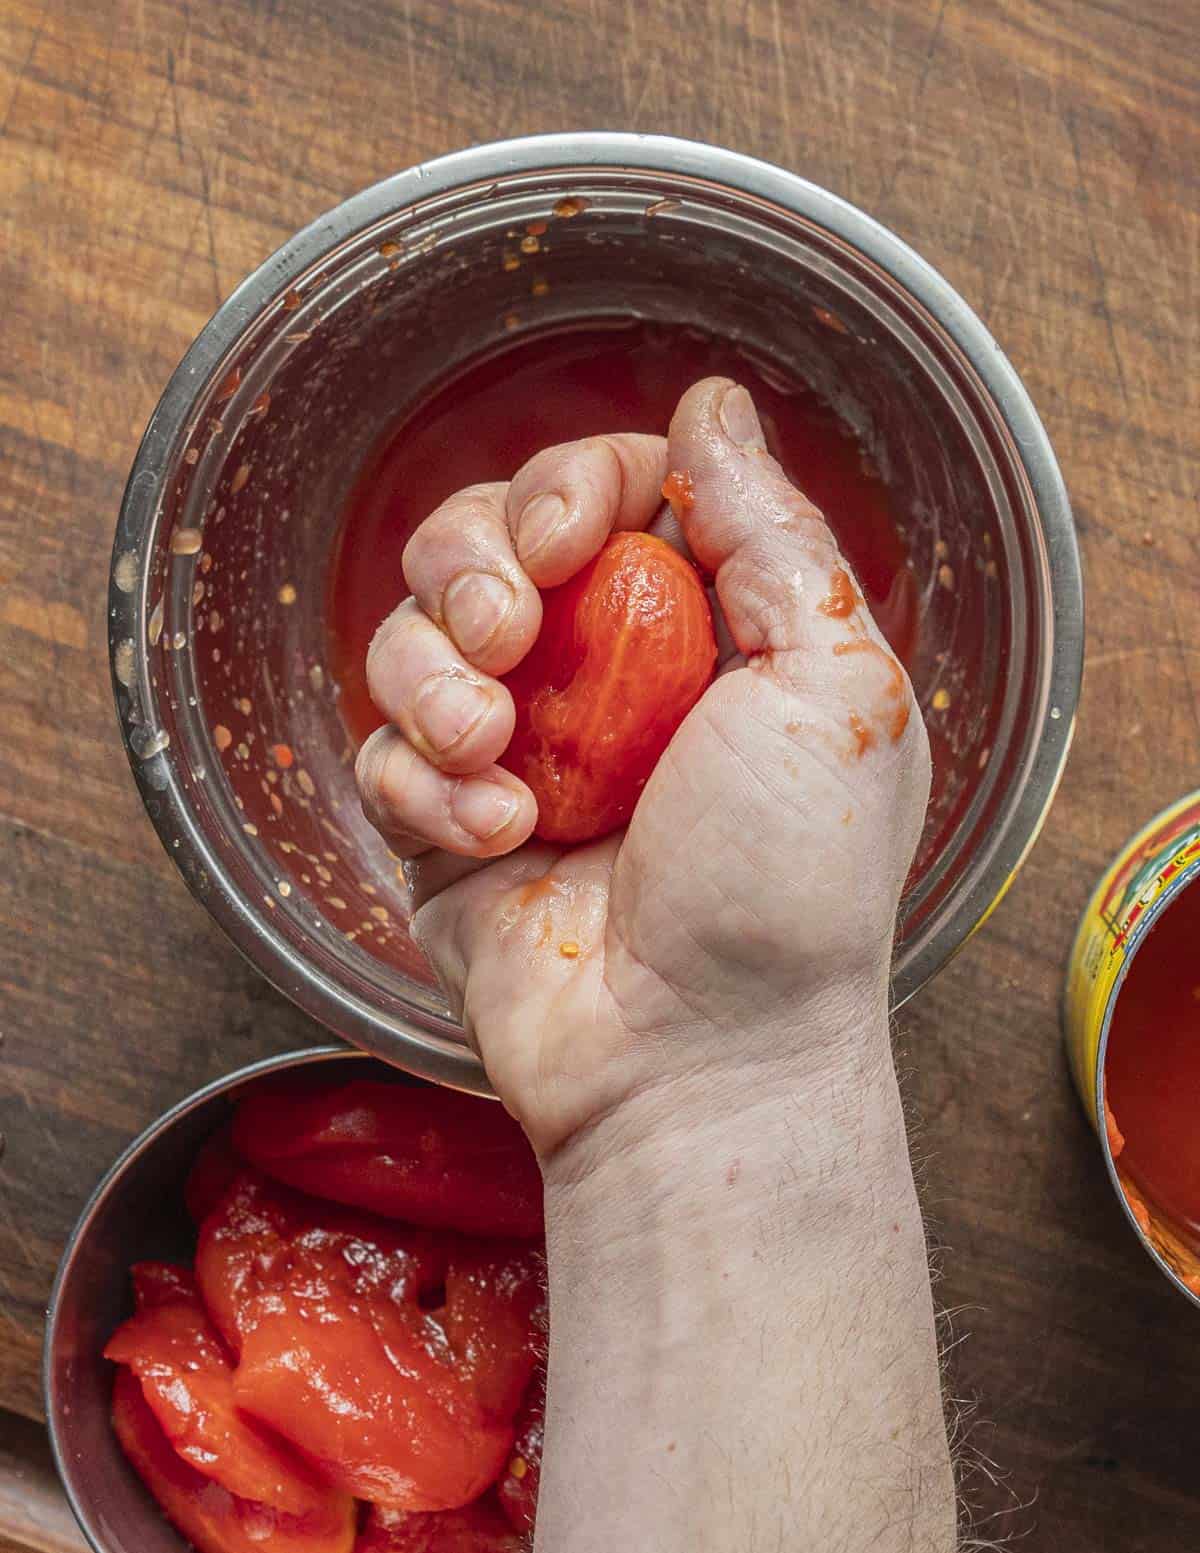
500	409
1152	1070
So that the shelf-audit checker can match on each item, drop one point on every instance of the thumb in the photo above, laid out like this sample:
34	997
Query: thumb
787	593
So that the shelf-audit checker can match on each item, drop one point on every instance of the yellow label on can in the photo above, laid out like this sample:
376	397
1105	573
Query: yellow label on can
1152	862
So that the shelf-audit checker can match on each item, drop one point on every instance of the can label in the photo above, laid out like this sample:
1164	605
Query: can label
1155	863
1154	860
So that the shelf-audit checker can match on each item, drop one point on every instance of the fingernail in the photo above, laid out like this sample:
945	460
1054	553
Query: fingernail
740	419
482	807
474	607
447	708
540	516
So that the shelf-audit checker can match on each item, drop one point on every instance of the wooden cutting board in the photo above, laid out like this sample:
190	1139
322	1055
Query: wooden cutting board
1044	154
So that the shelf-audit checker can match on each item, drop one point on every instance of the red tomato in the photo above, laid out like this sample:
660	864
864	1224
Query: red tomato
187	1380
625	651
478	1528
395	1359
518	1488
495	1321
158	1283
212	1173
428	1156
211	1518
261	1236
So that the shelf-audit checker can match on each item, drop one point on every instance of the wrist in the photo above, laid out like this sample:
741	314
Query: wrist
738	1276
805	1109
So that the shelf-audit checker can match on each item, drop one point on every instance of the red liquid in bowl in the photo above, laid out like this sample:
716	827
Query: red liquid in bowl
1152	1070
498	411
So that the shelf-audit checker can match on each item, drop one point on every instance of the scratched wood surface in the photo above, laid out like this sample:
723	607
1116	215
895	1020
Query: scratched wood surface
1042	153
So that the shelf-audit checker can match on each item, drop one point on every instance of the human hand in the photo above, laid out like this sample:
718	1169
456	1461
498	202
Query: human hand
750	904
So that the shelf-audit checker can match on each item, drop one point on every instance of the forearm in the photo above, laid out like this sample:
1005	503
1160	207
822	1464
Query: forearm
743	1351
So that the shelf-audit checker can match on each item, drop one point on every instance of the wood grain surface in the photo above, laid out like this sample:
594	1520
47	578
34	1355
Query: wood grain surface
1044	154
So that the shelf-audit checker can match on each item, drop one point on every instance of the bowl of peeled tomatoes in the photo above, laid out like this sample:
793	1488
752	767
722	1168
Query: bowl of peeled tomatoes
431	333
305	1312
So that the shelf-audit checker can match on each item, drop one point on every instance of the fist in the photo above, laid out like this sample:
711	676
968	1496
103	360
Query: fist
754	890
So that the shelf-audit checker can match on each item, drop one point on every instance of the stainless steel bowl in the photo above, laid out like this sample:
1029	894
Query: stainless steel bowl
136	1212
222	550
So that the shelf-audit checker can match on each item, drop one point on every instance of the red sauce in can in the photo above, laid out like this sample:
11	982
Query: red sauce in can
1152	1068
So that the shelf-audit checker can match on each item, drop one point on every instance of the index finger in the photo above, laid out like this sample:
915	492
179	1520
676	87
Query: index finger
565	502
475	564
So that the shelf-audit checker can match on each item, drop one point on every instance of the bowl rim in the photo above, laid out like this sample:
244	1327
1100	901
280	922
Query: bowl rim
100	1194
410	1041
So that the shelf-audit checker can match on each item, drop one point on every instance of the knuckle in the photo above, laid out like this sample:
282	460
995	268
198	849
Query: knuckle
394	638
384	773
412	559
366	774
590	475
426	547
610	456
462	515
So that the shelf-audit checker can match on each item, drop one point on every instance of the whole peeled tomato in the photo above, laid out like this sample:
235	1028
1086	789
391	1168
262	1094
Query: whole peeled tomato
625	651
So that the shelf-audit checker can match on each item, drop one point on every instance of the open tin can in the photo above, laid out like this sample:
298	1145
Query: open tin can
1143	883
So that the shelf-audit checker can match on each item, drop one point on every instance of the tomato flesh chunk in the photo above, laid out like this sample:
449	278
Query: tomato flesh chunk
394	1358
517	1490
211	1518
187	1380
477	1528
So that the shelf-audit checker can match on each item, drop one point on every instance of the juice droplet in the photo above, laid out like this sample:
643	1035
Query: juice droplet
679	489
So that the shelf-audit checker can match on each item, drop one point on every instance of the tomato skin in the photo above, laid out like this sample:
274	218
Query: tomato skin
394	1358
517	1490
477	1528
428	1156
625	651
211	1518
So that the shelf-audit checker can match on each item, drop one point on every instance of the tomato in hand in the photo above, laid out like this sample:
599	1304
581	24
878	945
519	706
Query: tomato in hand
425	1155
186	1377
625	651
395	1359
518	1488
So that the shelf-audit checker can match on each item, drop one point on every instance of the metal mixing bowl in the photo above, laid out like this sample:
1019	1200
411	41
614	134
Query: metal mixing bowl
136	1213
222	550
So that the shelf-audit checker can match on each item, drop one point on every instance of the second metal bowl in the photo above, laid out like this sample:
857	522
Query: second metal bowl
136	1213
